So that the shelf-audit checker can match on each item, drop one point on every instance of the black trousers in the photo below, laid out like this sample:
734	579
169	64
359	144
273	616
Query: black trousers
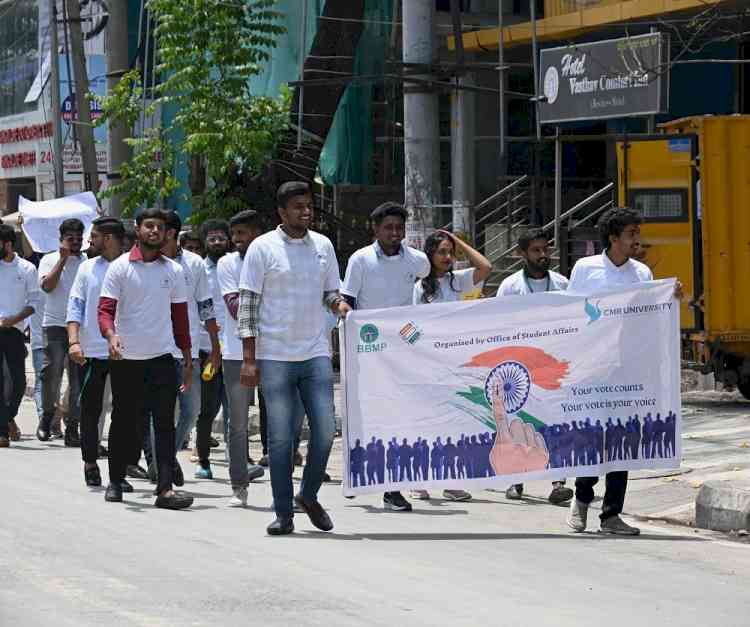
94	375
614	493
133	382
13	352
211	394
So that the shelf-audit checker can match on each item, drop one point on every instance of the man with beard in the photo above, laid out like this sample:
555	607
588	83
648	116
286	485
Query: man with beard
57	271
143	313
215	237
87	348
535	276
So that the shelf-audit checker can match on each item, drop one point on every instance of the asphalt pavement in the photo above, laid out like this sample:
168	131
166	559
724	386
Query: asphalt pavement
69	558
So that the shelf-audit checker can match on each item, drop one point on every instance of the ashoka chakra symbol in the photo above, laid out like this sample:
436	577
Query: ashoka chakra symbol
514	381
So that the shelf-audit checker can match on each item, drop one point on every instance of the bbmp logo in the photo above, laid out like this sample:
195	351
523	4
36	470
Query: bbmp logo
369	335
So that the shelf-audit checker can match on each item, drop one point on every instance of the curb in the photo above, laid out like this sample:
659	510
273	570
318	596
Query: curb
723	506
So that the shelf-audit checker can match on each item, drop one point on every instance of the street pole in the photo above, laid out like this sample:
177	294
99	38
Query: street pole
462	158
421	124
558	188
535	151
501	90
302	54
117	65
54	91
85	128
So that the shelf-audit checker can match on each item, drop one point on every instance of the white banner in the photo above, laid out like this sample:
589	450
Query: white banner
487	393
41	220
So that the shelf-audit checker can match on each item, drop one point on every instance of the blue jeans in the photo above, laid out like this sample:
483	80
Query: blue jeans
284	383
37	358
189	402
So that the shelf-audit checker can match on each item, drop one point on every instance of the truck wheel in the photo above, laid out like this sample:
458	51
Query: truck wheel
744	388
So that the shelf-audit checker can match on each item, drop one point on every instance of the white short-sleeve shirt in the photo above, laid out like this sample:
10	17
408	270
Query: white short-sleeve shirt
377	280
291	276
449	291
196	288
18	289
144	293
86	289
520	283
220	309
598	272
56	301
228	277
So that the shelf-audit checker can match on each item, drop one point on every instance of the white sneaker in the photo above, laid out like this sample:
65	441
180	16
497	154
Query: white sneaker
420	495
239	498
456	495
617	526
577	517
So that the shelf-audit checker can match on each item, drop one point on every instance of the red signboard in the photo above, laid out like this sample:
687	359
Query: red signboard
18	160
25	133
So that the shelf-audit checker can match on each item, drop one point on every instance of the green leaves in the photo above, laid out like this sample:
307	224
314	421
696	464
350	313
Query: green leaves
206	53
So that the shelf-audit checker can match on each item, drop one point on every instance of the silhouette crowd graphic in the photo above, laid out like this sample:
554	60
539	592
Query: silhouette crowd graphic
574	443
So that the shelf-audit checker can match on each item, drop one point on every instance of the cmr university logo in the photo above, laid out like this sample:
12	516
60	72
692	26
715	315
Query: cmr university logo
369	335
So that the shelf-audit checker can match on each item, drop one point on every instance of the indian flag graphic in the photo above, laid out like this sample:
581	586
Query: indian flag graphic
521	372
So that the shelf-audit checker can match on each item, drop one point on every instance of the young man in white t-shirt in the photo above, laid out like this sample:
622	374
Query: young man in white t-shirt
87	347
289	278
20	296
57	271
383	275
620	232
245	227
143	313
535	276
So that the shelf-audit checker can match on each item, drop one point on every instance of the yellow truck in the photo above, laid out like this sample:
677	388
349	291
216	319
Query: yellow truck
692	185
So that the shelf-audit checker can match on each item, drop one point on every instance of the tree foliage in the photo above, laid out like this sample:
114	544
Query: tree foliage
206	53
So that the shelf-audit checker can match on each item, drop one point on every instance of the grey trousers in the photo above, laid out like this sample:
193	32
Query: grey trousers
239	414
55	361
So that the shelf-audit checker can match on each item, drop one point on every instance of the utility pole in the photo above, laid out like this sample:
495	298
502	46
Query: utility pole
85	128
503	80
54	92
463	169
421	123
117	65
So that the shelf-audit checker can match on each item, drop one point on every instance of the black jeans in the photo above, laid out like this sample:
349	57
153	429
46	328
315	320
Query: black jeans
614	494
13	352
133	382
211	395
94	375
55	361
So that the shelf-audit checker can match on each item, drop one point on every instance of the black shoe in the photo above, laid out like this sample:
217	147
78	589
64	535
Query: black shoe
134	471
113	493
213	442
72	439
153	473
396	502
178	500
315	513
125	486
560	494
326	478
102	452
263	461
177	477
56	433
282	526
43	434
93	476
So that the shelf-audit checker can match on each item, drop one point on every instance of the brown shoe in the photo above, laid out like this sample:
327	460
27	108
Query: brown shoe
14	433
4	442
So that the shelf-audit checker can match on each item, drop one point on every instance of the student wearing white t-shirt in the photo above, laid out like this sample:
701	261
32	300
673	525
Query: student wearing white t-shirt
443	285
383	275
57	271
244	227
535	276
87	347
620	232
143	313
20	294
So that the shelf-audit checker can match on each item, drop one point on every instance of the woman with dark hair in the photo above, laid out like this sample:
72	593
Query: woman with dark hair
444	285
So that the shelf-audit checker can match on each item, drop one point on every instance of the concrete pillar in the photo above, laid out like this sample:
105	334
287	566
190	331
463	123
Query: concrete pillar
463	180
421	124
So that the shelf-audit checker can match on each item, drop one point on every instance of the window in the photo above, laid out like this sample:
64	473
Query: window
19	54
660	205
